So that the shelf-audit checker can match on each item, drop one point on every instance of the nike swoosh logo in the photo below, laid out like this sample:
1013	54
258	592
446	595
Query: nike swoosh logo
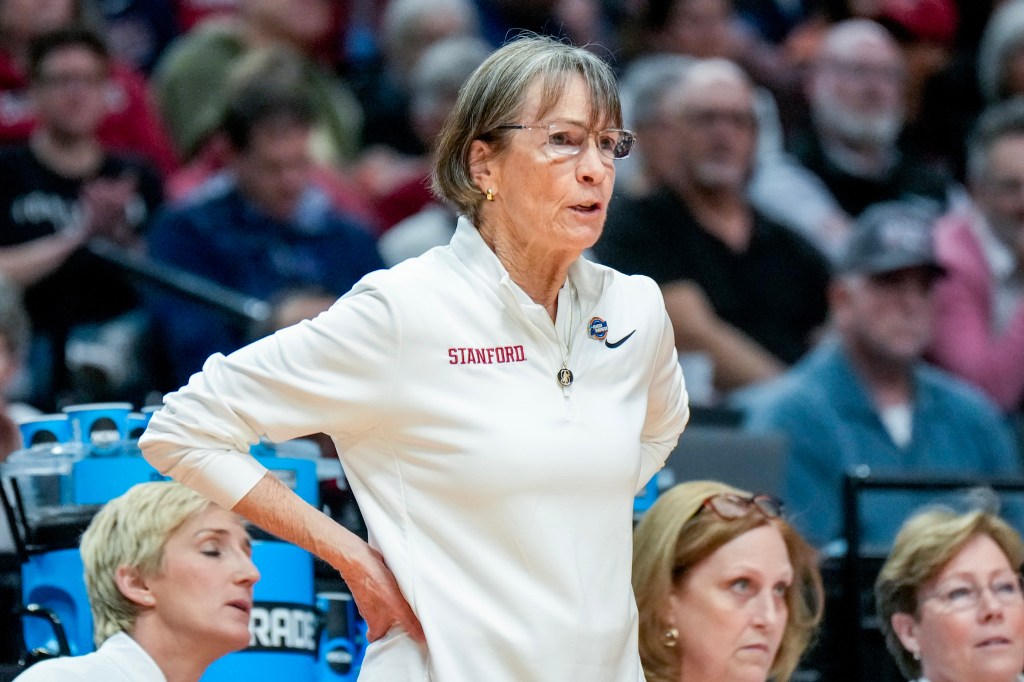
620	341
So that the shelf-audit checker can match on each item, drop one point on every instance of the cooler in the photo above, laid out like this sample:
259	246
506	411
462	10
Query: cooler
54	488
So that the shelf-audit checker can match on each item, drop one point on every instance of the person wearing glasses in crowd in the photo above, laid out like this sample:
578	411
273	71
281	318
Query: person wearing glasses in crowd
170	579
727	590
712	252
59	191
497	402
949	598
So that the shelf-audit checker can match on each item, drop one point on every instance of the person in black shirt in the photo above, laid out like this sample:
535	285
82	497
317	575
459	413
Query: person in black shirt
58	192
857	93
746	291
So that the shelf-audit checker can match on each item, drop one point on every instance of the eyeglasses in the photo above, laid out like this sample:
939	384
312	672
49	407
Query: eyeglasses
961	594
568	139
706	118
863	72
1005	187
729	506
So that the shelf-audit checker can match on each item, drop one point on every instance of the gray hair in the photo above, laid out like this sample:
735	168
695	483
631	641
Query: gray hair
713	70
494	96
1003	36
402	28
446	65
842	36
998	121
646	83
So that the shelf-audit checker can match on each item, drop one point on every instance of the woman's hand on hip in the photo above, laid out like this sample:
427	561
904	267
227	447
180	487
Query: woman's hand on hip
379	598
273	506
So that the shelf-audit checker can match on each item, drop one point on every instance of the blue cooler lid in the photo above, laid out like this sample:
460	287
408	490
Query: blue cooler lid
45	459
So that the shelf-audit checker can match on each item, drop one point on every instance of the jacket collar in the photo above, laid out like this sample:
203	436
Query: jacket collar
836	361
590	280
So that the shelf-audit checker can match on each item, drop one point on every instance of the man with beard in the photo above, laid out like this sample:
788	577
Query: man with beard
745	292
856	92
866	401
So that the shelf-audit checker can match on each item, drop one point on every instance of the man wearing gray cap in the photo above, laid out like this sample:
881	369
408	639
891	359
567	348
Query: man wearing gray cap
866	399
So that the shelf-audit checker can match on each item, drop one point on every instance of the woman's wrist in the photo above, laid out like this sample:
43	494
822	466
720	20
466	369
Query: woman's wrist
345	551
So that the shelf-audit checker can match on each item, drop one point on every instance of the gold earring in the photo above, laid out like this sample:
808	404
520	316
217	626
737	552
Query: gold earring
490	194
670	638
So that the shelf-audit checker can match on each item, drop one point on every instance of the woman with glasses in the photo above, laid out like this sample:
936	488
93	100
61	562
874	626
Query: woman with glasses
949	598
496	402
727	590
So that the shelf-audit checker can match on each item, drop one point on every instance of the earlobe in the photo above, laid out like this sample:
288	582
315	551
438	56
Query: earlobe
669	628
667	612
905	627
479	164
133	586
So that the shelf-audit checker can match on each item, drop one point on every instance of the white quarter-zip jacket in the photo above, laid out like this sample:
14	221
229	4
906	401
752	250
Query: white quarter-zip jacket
119	659
501	500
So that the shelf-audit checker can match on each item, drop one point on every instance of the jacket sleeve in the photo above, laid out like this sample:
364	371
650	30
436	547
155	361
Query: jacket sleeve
965	344
331	374
667	402
964	341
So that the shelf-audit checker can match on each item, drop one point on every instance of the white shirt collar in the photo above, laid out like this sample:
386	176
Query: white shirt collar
1001	260
589	279
129	655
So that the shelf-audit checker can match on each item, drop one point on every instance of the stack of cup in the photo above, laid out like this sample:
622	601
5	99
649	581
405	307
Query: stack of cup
99	426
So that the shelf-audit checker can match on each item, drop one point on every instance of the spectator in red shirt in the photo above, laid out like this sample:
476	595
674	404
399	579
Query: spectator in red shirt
131	124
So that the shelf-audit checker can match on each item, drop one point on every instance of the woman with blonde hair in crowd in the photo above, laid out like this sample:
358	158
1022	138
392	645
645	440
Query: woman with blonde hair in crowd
727	590
169	576
949	598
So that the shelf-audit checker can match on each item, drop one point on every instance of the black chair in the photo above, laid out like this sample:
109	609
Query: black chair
8	671
742	459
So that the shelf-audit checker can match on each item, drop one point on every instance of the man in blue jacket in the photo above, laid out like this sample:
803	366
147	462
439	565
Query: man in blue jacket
866	401
263	228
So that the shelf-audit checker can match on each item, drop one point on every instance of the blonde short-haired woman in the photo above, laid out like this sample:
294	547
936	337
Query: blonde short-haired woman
950	601
169	576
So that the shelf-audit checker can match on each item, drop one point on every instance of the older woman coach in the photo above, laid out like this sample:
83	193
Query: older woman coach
496	402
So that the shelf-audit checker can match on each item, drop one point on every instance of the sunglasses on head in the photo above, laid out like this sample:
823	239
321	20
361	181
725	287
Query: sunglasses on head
730	506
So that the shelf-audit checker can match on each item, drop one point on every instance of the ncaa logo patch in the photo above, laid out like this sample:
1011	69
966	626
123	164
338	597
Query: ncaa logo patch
597	328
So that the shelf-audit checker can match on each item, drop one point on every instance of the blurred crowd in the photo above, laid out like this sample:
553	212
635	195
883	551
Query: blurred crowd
179	177
829	193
